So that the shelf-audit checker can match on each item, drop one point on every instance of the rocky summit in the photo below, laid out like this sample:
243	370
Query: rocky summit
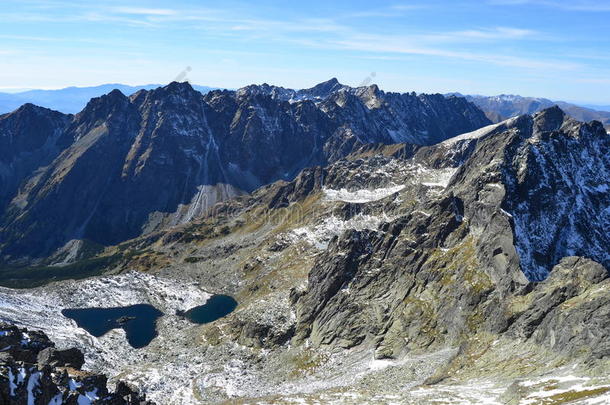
35	372
380	247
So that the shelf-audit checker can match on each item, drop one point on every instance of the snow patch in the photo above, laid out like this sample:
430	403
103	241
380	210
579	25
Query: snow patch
361	196
480	133
32	384
320	235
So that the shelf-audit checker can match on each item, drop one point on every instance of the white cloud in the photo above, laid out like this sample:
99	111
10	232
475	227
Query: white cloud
482	35
571	5
406	45
497	33
27	38
604	80
144	11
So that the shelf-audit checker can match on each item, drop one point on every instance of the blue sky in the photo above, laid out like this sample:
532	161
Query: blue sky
549	48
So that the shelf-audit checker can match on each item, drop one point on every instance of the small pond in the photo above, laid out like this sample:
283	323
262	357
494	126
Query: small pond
214	308
138	321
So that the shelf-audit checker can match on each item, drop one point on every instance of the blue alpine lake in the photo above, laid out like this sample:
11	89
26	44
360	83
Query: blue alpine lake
138	321
215	308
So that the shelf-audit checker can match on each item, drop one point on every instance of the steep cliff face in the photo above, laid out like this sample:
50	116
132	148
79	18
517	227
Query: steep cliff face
559	193
128	166
30	138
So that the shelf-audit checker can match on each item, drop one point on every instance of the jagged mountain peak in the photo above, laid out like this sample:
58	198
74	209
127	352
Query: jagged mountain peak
179	89
323	89
552	173
32	109
104	105
176	97
550	119
328	83
115	94
27	107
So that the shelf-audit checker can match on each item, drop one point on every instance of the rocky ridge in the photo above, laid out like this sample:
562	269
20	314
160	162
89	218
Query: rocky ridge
127	166
33	371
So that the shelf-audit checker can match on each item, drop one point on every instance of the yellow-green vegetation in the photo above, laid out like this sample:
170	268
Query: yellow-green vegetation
284	271
306	362
460	261
520	303
212	334
296	214
418	307
33	276
573	396
551	385
146	260
380	150
204	232
252	220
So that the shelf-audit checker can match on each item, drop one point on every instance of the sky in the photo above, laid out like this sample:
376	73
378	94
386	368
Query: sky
558	49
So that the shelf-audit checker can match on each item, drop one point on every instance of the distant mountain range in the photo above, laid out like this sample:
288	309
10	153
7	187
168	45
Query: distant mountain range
504	106
71	99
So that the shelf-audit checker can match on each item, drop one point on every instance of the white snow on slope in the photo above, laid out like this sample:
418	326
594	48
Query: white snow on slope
439	178
479	133
320	235
546	388
360	196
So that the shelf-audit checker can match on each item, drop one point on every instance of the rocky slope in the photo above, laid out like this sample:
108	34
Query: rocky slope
126	166
471	271
30	138
33	371
520	203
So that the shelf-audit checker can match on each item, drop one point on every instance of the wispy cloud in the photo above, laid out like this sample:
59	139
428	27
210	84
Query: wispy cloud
406	46
482	35
497	33
595	80
28	38
144	11
396	10
279	27
409	7
347	33
572	5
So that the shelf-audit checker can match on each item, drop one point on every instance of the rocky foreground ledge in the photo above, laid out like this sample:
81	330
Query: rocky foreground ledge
33	371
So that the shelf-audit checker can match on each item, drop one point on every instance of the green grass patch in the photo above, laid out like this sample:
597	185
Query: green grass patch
35	276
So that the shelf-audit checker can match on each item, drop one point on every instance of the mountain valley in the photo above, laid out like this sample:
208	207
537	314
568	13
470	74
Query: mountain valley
381	247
